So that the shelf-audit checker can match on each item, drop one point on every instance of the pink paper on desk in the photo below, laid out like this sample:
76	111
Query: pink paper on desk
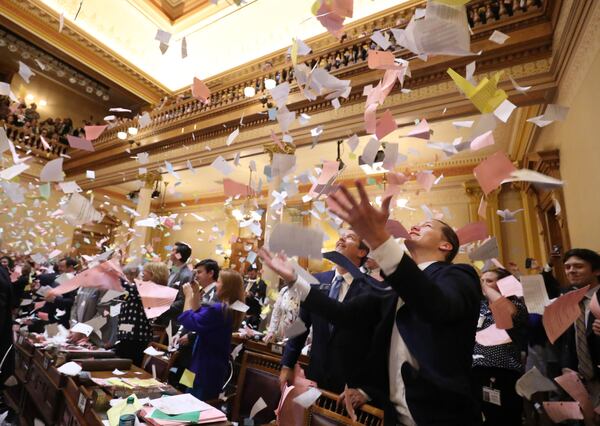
426	180
562	313
472	232
573	385
492	336
561	411
93	132
421	130
105	276
379	60
493	170
200	91
385	125
80	143
510	286
396	229
233	188
156	298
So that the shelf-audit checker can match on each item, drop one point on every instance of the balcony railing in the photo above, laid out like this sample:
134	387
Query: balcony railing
339	59
26	141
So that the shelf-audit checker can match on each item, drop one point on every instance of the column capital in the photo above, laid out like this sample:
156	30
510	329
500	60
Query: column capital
150	178
473	189
283	148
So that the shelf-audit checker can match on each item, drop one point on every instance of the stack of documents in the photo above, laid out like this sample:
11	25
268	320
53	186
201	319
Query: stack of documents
181	410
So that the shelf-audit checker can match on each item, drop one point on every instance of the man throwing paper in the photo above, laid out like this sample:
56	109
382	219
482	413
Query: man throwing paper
424	333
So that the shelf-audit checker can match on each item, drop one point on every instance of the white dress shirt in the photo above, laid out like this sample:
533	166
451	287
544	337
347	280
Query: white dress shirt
345	284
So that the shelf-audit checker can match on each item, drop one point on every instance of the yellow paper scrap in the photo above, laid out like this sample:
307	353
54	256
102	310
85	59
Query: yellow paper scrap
486	96
478	264
115	381
187	378
115	412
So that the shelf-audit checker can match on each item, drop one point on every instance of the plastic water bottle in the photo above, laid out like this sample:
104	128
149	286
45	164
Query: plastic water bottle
127	417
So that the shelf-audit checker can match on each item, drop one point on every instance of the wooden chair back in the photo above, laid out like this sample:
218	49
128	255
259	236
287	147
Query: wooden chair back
327	412
258	378
162	364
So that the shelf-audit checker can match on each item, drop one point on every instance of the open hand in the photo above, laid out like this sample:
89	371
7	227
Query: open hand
367	221
279	263
354	397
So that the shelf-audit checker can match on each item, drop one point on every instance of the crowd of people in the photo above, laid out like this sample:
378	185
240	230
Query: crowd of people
393	325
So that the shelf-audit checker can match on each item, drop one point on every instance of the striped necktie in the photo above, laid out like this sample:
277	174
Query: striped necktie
586	367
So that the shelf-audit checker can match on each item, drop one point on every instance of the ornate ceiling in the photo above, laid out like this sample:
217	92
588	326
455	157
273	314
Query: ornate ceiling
219	37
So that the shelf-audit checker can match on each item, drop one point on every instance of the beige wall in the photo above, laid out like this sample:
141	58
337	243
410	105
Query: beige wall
579	143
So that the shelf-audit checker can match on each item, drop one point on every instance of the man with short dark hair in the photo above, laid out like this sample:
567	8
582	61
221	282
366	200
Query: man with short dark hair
422	335
206	273
332	365
580	344
180	274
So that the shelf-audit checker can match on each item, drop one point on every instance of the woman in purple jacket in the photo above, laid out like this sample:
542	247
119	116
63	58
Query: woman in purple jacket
213	324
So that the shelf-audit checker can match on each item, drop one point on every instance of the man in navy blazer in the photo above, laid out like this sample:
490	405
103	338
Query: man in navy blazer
329	364
422	336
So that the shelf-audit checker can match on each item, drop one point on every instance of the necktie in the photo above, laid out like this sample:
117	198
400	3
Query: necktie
334	291
586	367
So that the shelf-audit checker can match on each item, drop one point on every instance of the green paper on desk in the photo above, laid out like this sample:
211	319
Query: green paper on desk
192	416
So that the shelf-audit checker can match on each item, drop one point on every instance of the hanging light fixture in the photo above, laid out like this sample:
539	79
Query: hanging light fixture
249	91
132	131
122	135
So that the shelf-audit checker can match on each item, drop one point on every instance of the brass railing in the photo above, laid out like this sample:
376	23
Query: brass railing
27	141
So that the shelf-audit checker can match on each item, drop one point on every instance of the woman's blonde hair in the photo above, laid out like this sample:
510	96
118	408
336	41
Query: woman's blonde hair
159	271
230	291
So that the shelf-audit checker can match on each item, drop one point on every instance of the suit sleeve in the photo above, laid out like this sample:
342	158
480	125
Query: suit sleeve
359	311
293	347
456	293
203	320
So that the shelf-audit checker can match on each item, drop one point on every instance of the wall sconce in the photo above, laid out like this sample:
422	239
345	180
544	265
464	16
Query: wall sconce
122	135
249	91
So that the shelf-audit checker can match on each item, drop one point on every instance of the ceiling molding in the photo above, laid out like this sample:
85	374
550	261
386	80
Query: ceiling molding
42	22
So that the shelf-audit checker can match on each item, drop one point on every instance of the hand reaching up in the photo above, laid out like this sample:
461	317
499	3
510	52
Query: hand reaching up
367	221
279	263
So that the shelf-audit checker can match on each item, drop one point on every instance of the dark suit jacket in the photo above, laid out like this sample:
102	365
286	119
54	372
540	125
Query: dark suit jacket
6	335
568	349
437	323
176	280
334	355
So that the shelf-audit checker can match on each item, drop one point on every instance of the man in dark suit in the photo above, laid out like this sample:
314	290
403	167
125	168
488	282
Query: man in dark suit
580	344
332	358
256	293
422	337
180	274
6	335
206	273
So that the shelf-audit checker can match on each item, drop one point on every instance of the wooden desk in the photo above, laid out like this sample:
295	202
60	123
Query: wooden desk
42	392
271	349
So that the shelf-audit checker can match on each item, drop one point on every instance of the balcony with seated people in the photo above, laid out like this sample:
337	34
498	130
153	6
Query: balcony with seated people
45	138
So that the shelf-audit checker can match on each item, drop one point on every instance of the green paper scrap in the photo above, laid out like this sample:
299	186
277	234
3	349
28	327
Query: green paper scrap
45	190
371	181
192	416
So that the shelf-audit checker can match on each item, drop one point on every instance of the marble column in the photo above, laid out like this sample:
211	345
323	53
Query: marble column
143	233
